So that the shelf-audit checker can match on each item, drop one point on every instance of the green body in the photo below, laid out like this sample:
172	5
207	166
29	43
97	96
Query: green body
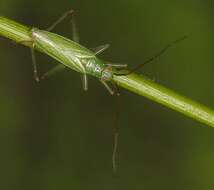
68	52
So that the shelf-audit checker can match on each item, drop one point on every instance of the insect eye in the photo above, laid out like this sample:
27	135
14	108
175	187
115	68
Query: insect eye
97	69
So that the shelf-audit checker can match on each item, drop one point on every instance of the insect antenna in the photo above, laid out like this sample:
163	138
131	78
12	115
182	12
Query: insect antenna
156	56
116	129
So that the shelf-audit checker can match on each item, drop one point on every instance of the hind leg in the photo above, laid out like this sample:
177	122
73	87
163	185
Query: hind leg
60	19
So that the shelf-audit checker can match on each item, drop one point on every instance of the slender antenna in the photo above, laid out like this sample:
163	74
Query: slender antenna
153	58
114	154
116	132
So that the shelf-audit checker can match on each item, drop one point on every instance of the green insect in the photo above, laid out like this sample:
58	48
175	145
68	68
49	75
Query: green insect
85	61
72	55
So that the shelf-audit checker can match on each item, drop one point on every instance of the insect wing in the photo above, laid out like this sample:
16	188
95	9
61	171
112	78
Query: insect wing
66	51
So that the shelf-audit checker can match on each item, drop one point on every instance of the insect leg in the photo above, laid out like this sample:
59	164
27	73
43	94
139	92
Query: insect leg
116	65
98	50
111	91
75	34
59	20
75	37
85	82
51	72
54	70
30	43
35	72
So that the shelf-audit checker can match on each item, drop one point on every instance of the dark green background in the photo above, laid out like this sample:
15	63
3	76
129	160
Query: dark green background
53	135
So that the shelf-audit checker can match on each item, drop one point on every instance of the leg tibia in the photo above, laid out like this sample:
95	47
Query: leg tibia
58	21
53	71
85	82
35	72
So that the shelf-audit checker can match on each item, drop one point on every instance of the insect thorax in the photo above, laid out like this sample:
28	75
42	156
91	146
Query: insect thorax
93	67
98	69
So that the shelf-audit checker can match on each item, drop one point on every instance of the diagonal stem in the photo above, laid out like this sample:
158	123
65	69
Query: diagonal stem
160	94
134	83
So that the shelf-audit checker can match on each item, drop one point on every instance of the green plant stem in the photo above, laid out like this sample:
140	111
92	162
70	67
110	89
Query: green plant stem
13	30
153	91
134	82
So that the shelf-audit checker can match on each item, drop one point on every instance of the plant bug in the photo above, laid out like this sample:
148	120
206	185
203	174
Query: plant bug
74	56
71	54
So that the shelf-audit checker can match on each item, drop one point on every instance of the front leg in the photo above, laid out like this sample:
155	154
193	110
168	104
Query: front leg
35	71
30	43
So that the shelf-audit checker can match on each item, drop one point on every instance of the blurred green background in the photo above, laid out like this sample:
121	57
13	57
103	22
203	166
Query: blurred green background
53	135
